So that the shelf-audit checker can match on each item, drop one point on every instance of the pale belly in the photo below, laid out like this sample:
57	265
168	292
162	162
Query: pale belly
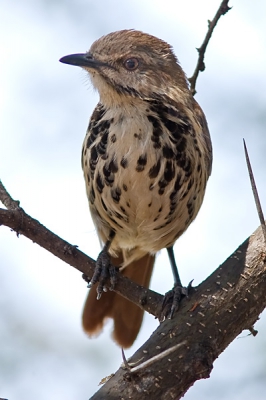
149	203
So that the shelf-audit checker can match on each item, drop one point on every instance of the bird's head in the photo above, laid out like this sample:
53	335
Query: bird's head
129	64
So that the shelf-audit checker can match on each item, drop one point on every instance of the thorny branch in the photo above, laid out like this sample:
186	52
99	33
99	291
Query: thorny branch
223	9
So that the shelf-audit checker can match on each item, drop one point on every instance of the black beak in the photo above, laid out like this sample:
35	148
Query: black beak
82	60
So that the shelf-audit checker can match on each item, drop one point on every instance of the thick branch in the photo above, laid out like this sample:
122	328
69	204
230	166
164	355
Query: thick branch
223	9
227	302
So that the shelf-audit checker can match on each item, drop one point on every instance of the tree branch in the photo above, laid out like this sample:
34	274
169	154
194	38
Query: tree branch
223	9
20	222
182	350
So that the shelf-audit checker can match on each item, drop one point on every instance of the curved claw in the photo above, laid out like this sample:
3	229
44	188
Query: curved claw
104	270
172	299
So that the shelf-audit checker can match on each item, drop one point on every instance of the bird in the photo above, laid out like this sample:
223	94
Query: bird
146	159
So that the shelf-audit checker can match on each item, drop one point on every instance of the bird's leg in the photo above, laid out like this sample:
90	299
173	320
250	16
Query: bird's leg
172	298
104	270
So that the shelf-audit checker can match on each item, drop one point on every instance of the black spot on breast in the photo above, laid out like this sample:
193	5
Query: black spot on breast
185	163
138	136
178	182
108	175
162	185
190	183
124	187
181	161
168	152
99	183
169	172
189	186
124	162
174	118
113	138
157	145
190	208
98	113
96	128
90	140
181	144
188	167
156	132
141	162
154	121
93	159
168	175
170	125
101	146
174	195
154	171
173	112
113	167
94	154
116	193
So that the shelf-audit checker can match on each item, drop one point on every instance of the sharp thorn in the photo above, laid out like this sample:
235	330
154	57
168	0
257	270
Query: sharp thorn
255	192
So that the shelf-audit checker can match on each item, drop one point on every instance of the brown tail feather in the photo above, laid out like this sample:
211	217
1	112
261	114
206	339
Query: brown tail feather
127	316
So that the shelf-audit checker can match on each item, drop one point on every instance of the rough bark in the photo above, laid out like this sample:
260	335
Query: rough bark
226	303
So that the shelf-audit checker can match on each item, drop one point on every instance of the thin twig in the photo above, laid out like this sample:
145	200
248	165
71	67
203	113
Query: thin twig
222	10
22	223
126	364
255	192
7	200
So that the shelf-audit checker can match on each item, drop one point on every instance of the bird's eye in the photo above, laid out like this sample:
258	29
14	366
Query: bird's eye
131	64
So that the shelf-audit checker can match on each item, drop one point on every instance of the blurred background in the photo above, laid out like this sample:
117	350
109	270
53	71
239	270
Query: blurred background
44	111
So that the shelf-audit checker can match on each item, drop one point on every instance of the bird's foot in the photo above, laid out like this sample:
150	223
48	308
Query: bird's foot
104	271
172	300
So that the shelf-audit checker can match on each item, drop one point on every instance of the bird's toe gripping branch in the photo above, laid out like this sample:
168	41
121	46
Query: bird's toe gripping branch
172	299
104	272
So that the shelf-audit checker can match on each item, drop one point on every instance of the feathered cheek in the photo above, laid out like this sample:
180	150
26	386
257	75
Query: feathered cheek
98	81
